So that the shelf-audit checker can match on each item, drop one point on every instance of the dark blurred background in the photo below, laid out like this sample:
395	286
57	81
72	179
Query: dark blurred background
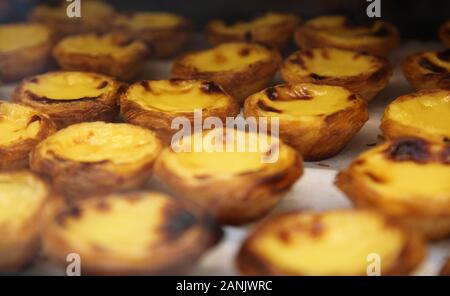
417	19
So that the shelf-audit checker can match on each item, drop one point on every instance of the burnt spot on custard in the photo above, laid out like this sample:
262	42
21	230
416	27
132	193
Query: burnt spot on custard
375	178
34	80
244	51
298	60
271	93
103	84
409	150
317	76
102	206
177	222
248	36
210	87
379	74
46	100
445	155
352	97
72	212
444	55
429	65
146	85
325	54
34	118
263	106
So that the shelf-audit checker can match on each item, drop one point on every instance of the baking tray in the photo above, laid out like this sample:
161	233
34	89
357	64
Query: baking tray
314	191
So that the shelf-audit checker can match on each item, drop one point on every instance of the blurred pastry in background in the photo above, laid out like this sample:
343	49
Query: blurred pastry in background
446	268
22	128
24	49
333	243
95	17
70	97
407	178
155	104
235	176
164	33
378	38
361	73
240	68
317	120
272	28
134	233
424	114
93	158
112	54
444	33
27	204
428	70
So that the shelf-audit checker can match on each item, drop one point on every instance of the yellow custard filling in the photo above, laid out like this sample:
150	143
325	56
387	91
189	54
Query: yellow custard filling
13	37
306	100
340	247
99	141
430	112
97	45
237	152
331	63
267	20
405	179
149	20
21	195
128	228
179	96
15	123
68	85
227	57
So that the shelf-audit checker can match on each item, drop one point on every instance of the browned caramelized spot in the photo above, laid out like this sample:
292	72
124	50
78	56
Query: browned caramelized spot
145	85
371	144
352	97
103	84
34	118
263	106
211	87
317	76
446	140
308	53
427	64
202	177
382	31
248	36
103	206
45	100
375	178
72	212
271	93
444	55
379	74
298	60
220	58
314	228
360	161
408	150
244	51
98	248
446	155
178	221
325	54
34	80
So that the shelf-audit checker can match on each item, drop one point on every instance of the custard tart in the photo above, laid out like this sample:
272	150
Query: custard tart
424	114
164	33
408	178
361	73
95	17
235	176
70	97
428	70
444	33
111	54
378	38
240	68
273	29
26	205
334	243
22	128
156	104
96	158
317	120
24	50
136	233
